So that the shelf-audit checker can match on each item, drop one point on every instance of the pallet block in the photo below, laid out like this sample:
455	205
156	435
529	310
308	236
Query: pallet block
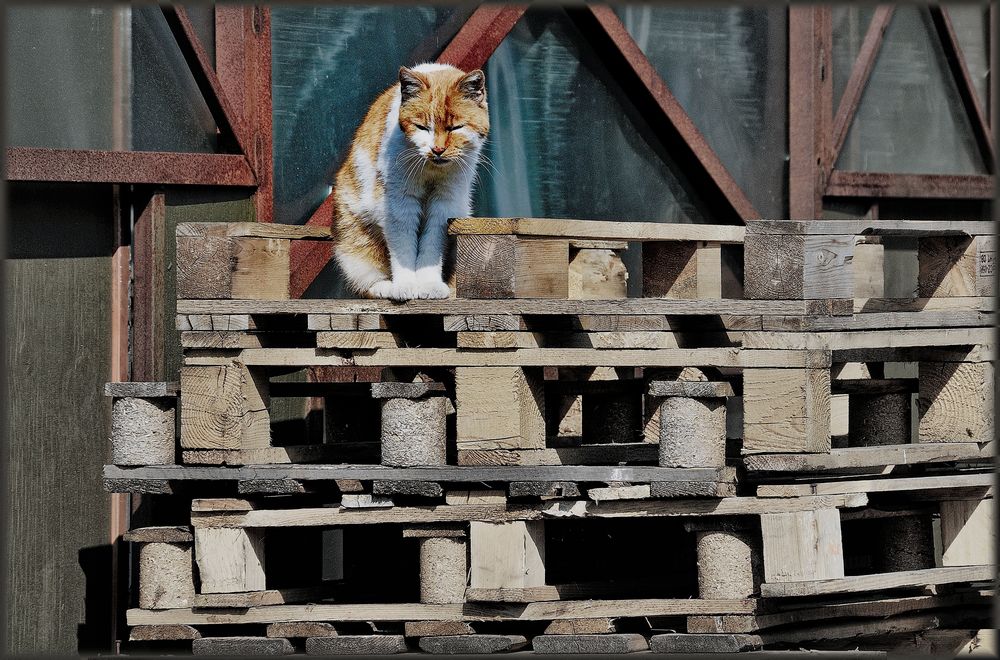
786	410
224	407
238	260
596	270
956	266
688	269
506	555
499	408
955	402
804	545
230	560
968	532
511	267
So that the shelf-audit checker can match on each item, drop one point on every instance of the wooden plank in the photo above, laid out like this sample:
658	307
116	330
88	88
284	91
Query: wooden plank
261	455
176	534
526	307
142	390
879	582
527	512
878	320
786	410
805	545
861	457
260	598
968	532
610	454
229	560
507	555
862	339
957	303
358	340
511	267
541	357
649	339
904	484
614	231
428	612
872	227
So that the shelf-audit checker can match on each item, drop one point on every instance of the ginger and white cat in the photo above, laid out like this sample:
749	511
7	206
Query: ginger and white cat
410	168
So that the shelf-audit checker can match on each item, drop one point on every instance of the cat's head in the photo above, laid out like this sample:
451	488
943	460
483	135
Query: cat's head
443	111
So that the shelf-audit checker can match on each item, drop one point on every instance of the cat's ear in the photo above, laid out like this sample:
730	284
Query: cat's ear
473	86
411	83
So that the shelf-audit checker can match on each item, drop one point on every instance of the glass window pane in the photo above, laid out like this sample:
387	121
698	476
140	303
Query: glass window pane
565	141
202	19
328	65
168	110
850	24
60	76
728	69
972	26
910	118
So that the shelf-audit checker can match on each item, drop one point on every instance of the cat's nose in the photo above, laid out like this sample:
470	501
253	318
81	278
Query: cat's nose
437	151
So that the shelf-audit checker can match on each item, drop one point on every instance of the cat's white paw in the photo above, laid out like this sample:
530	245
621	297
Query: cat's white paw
436	290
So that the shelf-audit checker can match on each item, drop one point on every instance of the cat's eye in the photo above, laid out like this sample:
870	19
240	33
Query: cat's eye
454	128
422	128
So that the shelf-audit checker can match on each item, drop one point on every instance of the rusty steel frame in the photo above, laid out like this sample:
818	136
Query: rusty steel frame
813	153
856	84
966	89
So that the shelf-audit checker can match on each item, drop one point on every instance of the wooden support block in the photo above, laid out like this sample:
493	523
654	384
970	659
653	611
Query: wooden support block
443	570
869	267
544	489
142	431
499	408
683	269
204	267
472	644
142	390
475	497
956	266
786	410
798	267
365	501
804	545
262	269
904	543
955	402
230	559
596	274
590	644
239	647
356	645
224	407
507	555
968	532
511	267
724	623
879	419
618	493
166	579
692	432
301	629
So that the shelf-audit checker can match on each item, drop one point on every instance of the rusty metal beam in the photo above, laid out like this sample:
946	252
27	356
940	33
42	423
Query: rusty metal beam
243	64
430	48
229	123
860	73
914	186
966	89
308	258
810	92
85	166
481	35
670	114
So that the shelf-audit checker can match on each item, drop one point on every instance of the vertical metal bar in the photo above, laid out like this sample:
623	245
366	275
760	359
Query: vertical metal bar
810	92
243	66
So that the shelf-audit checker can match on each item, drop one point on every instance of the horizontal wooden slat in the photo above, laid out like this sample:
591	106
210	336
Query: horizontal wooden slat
856	583
83	166
907	484
862	457
528	357
581	609
836	341
870	227
254	230
526	307
596	229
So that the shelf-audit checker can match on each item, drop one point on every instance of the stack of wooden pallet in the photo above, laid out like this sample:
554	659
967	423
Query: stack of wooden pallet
718	439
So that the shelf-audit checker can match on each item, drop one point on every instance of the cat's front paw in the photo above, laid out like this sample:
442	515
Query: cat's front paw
435	290
382	289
